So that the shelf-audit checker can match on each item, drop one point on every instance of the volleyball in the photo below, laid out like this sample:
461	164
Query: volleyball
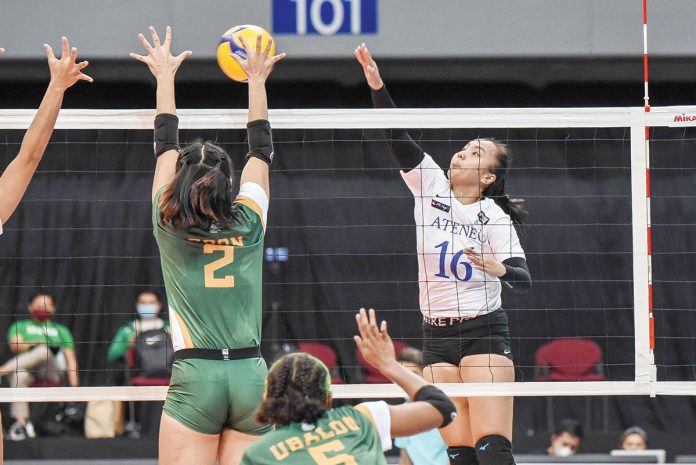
231	43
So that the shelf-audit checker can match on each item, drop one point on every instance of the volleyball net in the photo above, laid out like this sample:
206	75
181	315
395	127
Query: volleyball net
609	239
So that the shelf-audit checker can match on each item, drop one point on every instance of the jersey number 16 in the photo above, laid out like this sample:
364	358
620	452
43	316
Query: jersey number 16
454	263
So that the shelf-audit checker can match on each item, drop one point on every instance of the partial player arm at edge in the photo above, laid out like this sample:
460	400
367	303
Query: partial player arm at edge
16	178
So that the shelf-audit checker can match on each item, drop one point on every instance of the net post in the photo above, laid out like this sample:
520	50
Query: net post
644	358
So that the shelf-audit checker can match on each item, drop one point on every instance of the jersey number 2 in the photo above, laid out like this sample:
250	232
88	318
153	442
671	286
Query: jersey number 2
211	268
318	453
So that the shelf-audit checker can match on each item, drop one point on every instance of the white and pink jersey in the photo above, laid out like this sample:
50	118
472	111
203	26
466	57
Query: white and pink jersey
449	285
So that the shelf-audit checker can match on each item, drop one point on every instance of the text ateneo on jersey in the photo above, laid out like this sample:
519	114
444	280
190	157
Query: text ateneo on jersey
465	230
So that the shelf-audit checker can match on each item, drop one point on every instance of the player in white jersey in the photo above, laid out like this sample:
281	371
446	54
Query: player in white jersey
16	177
468	245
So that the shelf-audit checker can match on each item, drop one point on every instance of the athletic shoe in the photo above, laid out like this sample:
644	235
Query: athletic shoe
31	432
17	432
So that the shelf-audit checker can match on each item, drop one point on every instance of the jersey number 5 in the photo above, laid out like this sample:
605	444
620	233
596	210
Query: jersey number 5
211	268
318	453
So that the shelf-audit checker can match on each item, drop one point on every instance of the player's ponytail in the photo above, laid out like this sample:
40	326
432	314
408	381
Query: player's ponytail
296	391
496	190
201	192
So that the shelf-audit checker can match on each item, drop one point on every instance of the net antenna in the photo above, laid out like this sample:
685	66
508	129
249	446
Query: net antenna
646	99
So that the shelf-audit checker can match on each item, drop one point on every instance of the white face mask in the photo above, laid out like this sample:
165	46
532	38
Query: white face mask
560	450
147	310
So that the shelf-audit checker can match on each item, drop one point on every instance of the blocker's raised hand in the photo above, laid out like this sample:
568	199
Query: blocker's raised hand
159	57
65	71
258	63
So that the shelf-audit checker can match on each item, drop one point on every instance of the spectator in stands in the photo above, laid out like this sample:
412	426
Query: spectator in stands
566	438
425	448
45	353
148	306
634	438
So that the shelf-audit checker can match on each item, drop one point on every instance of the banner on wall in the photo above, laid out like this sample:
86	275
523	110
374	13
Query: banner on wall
325	17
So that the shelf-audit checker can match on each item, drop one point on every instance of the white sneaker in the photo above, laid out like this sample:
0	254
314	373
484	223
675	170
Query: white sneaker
29	428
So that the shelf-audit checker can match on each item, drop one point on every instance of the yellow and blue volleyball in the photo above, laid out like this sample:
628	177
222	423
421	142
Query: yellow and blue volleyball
230	43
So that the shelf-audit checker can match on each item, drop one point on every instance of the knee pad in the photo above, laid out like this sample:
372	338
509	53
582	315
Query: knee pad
461	455
494	450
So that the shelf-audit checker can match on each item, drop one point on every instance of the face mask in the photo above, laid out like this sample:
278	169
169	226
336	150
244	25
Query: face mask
147	310
560	450
40	314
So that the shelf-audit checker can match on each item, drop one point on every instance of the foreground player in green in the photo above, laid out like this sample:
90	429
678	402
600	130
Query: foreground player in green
211	247
308	431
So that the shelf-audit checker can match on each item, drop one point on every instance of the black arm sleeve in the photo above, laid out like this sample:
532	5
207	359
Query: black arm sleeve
517	276
407	153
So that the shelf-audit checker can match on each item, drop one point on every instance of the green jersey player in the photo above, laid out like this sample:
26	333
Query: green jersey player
211	248
308	431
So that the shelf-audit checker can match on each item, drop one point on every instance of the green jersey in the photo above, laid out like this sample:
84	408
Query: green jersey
342	436
30	332
213	278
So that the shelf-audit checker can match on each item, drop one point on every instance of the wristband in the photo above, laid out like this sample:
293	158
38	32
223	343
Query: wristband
166	133
260	140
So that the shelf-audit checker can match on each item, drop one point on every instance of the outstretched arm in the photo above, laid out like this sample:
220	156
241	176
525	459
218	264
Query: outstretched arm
430	409
407	153
163	66
64	73
258	67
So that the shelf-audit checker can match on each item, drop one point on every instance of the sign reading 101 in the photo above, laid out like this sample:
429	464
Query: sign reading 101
324	17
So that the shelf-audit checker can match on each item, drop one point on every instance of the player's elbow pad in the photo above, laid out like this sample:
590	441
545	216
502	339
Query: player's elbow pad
166	133
260	140
440	401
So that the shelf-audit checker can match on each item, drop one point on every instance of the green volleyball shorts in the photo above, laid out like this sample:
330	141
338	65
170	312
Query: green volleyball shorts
210	395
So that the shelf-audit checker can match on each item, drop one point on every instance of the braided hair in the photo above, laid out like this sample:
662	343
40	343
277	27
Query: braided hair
496	190
297	388
201	191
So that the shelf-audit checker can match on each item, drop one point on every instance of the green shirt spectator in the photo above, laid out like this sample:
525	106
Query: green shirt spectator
28	333
43	351
148	307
